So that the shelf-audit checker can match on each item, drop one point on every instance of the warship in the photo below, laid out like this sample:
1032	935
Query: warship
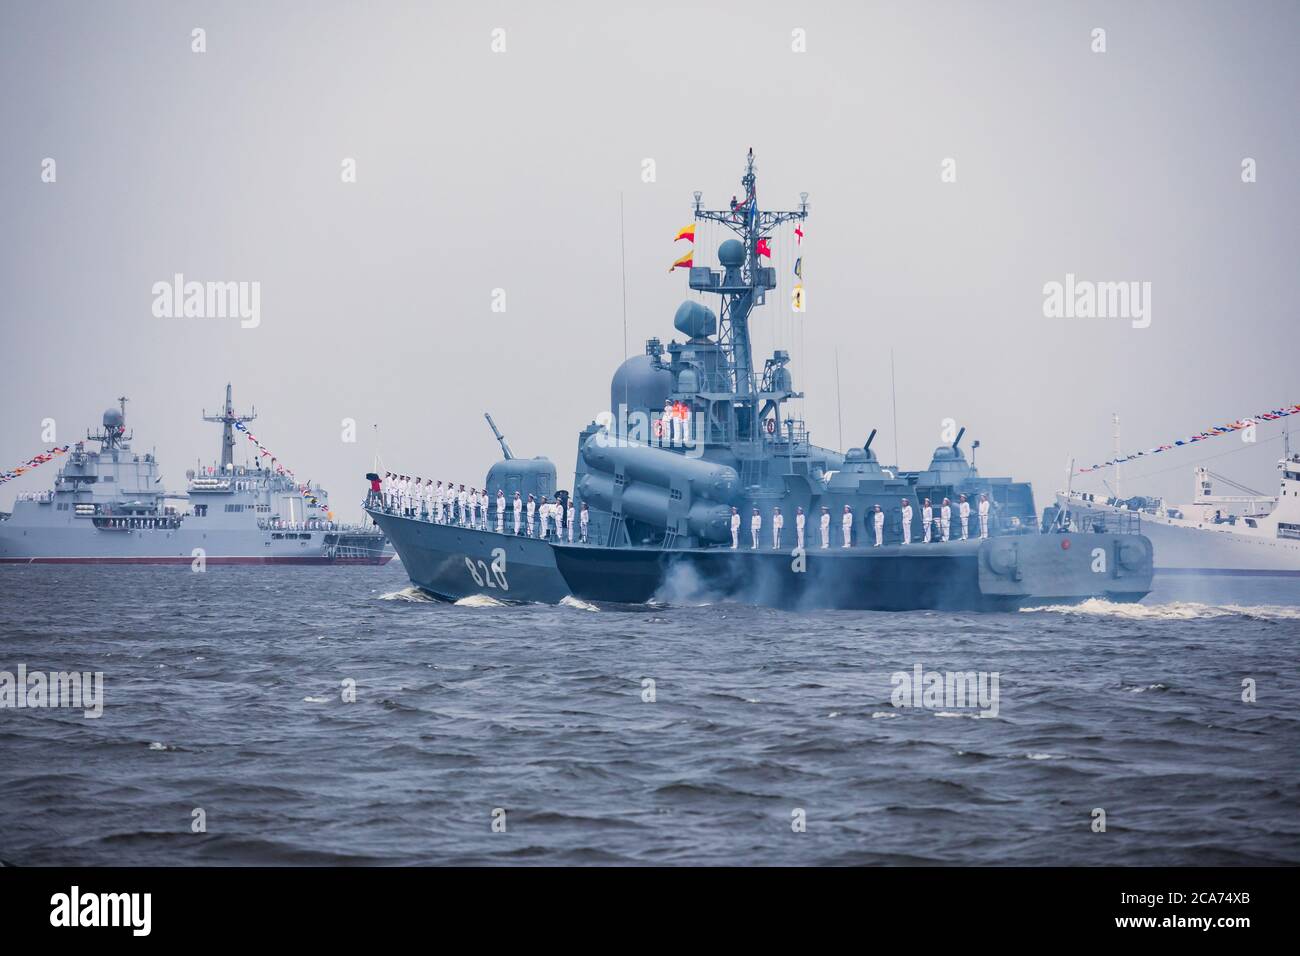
1243	534
109	506
696	437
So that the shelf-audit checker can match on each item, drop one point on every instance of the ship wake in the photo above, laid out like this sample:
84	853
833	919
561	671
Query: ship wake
1173	611
411	594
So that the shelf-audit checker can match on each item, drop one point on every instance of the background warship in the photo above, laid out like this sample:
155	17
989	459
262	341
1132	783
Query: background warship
660	495
109	507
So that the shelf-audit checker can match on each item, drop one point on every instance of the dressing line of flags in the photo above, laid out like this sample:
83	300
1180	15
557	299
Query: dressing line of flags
266	452
31	463
1214	432
762	247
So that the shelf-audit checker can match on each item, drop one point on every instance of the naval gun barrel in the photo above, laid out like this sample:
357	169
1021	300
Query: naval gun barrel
505	449
958	441
870	439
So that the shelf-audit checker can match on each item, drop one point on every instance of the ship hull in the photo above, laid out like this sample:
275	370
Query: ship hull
81	543
995	575
452	562
1209	549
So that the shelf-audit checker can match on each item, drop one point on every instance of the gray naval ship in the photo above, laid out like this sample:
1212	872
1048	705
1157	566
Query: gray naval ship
109	506
660	495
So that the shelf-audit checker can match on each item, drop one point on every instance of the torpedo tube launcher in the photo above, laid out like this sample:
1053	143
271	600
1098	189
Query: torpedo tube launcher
699	432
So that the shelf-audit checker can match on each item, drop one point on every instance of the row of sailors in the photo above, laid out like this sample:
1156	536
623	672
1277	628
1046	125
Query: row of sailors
415	497
933	525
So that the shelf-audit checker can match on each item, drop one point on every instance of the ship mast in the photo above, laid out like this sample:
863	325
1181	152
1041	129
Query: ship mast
751	225
227	419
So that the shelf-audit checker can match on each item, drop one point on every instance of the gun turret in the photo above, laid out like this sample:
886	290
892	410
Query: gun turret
505	449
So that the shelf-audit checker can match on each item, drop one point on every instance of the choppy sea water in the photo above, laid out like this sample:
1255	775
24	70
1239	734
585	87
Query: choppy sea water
223	692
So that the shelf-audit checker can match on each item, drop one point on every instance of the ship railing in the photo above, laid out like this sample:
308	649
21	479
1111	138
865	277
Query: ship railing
1105	522
145	523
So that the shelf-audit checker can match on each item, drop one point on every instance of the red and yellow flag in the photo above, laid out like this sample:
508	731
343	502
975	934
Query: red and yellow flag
688	232
685	262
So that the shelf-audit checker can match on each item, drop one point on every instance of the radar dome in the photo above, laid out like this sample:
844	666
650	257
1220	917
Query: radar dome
113	418
731	253
638	383
695	321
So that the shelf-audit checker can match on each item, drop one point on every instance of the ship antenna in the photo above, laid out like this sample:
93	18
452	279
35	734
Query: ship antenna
227	419
839	410
622	253
743	284
893	399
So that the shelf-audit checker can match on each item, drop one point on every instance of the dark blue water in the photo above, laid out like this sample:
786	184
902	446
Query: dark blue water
223	692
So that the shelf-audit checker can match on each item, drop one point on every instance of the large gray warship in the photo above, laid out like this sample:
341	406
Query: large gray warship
108	506
662	498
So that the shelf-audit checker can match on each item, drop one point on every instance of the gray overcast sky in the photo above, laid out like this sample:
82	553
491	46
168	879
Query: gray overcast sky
479	170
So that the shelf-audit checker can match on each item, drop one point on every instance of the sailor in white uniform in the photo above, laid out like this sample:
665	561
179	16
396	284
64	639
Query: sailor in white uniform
735	529
963	512
878	525
666	423
778	522
532	511
501	510
945	519
825	526
684	414
755	526
800	519
386	490
984	516
569	522
584	517
519	511
907	521
927	519
544	514
846	525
